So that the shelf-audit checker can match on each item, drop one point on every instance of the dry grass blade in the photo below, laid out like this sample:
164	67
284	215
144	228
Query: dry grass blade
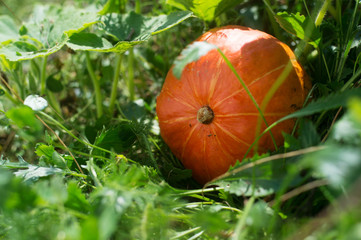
304	188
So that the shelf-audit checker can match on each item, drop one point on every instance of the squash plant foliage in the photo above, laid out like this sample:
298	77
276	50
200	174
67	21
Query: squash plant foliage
80	145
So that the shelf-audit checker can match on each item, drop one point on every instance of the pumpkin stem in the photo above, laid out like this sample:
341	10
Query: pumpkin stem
205	115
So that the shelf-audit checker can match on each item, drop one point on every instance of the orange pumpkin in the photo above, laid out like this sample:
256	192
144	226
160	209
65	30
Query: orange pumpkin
207	118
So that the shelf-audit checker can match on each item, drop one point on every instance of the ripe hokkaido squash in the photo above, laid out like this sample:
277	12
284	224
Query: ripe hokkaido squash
207	118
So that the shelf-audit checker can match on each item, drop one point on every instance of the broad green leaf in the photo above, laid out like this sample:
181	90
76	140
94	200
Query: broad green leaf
300	26
8	29
190	54
24	116
88	41
127	30
204	9
47	31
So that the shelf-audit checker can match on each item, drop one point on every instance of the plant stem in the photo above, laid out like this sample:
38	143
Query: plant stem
238	233
98	96
113	94
271	15
43	76
130	80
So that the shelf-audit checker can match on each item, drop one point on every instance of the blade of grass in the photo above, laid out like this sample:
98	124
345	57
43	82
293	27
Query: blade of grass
96	85
114	90
240	231
43	75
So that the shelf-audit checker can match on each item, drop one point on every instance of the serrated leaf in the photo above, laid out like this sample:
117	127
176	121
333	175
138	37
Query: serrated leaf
299	25
190	54
261	188
76	199
33	173
204	9
118	138
8	164
128	30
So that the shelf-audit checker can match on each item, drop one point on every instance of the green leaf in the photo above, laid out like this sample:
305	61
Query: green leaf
340	161
127	30
48	31
76	199
8	29
44	150
33	173
347	130
190	54
118	138
262	187
88	41
332	101
300	26
24	116
54	84
13	165
134	110
204	9
53	191
113	6
340	165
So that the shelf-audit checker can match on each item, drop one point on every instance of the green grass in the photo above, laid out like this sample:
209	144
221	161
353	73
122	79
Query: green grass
92	165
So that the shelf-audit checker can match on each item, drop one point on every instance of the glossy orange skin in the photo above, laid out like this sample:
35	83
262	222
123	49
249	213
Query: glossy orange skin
210	149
